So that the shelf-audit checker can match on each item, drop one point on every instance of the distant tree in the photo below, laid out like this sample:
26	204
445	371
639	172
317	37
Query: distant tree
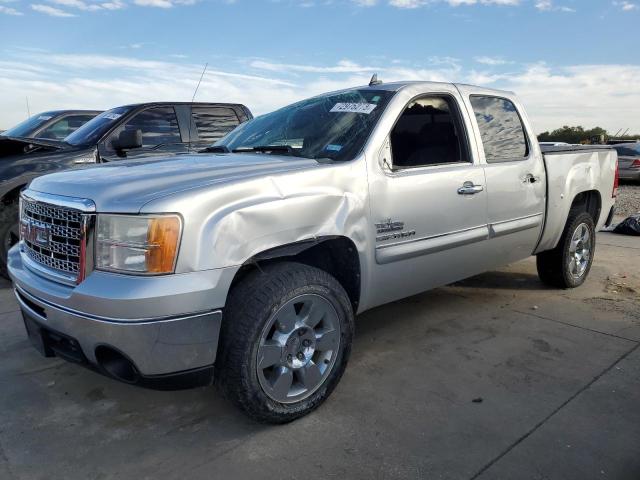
571	134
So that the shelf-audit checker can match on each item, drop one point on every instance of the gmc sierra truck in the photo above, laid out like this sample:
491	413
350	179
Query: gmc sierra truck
127	132
248	263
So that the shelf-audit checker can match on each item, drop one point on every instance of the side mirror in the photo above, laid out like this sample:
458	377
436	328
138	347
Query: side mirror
128	139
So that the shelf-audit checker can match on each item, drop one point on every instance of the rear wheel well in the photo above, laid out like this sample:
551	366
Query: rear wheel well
590	202
335	255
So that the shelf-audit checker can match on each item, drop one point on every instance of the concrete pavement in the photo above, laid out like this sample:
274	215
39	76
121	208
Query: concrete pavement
555	376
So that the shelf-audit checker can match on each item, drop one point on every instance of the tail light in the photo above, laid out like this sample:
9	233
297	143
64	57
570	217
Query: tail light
616	180
636	163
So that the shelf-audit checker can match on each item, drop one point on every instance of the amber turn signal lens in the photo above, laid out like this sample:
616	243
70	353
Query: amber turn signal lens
162	240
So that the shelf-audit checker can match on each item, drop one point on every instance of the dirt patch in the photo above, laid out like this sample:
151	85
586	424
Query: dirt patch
623	286
620	305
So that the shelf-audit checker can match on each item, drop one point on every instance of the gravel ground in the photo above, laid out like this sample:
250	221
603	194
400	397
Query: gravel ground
628	200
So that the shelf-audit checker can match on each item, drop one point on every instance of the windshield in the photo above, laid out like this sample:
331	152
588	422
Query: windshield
92	131
628	150
30	125
333	126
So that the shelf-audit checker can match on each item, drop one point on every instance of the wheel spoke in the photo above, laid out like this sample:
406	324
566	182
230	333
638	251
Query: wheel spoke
327	340
585	234
574	244
310	375
314	312
283	382
573	266
287	318
269	354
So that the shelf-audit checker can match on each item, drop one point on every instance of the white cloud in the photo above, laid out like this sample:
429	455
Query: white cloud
90	6
9	11
79	4
344	66
549	6
154	3
113	5
588	95
406	3
52	11
409	4
163	3
626	6
493	61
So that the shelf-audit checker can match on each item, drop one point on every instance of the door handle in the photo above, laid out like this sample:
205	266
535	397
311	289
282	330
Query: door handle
530	178
469	188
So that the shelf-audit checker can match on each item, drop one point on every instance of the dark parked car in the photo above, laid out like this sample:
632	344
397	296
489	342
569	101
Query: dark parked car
629	160
127	132
53	125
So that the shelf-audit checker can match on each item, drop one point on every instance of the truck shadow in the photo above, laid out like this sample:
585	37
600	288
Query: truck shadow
135	423
507	280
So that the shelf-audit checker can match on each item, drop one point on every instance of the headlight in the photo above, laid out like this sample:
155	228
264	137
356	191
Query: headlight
144	244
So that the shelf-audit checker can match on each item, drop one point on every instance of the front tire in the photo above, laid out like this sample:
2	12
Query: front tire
9	233
568	265
285	341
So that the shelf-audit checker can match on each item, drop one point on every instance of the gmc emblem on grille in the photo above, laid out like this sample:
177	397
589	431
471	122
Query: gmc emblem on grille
35	233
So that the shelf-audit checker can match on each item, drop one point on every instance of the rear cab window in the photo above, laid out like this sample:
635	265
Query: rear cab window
213	123
501	129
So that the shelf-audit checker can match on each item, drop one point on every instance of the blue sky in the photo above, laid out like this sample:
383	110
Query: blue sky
572	61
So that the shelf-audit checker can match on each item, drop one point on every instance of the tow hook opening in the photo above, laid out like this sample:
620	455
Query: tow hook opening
116	364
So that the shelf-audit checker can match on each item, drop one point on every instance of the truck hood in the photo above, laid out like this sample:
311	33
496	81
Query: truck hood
10	146
126	186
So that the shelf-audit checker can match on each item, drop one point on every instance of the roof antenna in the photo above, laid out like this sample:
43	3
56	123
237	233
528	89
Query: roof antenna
198	86
374	80
191	106
28	109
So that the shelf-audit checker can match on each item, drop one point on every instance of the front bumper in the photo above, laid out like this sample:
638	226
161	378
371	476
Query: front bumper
159	342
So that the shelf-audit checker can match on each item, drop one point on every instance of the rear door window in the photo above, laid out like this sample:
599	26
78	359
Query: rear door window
213	123
501	129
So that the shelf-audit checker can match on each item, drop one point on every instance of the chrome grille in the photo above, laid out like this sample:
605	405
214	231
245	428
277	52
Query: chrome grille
52	236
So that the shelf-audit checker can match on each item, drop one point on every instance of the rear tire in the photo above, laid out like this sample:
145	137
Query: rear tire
285	341
9	233
568	265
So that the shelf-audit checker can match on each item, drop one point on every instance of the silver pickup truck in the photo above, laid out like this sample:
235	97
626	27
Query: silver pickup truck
249	262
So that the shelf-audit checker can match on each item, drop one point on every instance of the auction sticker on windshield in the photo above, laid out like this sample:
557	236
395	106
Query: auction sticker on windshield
354	108
112	116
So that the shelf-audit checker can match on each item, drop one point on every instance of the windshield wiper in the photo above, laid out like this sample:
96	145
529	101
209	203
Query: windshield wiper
215	149
288	149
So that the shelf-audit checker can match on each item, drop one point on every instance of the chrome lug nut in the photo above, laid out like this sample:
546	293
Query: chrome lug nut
300	356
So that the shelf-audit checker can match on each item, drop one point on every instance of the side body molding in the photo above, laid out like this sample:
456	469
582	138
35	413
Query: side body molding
424	246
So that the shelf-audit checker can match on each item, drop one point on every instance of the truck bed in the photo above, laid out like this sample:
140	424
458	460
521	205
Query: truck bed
553	150
571	170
